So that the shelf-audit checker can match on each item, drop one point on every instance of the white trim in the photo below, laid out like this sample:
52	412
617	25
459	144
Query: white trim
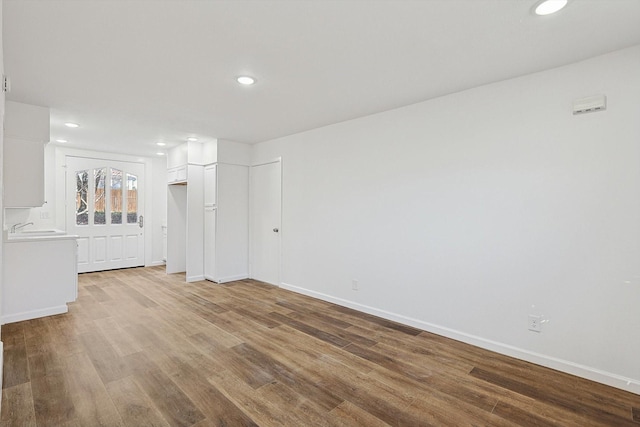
226	163
190	279
155	263
587	372
232	278
74	152
34	314
268	162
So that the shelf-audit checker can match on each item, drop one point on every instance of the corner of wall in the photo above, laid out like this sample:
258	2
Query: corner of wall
2	99
236	153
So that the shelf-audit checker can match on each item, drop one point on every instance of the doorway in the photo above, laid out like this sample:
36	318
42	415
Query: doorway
266	211
105	209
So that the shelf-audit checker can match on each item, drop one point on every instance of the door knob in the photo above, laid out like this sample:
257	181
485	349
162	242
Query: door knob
275	230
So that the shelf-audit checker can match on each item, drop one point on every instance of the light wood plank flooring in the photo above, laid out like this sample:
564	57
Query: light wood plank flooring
140	348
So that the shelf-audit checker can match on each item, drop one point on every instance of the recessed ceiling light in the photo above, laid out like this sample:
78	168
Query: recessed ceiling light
62	141
246	80
547	7
161	144
71	125
192	139
160	154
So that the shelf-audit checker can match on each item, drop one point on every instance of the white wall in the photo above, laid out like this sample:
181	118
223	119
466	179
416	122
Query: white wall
233	153
2	99
464	214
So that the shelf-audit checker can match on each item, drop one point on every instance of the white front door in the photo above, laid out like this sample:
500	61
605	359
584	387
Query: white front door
105	208
266	195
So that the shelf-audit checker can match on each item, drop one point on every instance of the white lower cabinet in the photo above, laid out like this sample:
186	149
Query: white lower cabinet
40	277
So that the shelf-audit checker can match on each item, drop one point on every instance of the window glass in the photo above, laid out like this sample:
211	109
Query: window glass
99	176
82	194
116	196
132	199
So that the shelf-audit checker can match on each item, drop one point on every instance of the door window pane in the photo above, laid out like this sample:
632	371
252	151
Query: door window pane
99	200
82	192
116	196
132	199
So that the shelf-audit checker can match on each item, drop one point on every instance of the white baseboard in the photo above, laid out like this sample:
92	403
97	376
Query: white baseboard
587	372
219	280
34	314
232	278
155	263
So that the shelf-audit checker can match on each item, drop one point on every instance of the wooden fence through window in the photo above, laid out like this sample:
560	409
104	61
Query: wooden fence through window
116	200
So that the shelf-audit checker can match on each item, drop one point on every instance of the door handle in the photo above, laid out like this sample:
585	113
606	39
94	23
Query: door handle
141	221
275	230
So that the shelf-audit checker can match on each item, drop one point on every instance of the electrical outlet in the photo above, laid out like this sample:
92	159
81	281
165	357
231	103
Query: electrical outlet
44	215
535	323
354	284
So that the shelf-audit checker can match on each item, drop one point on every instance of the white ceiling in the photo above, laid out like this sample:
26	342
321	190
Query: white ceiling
135	72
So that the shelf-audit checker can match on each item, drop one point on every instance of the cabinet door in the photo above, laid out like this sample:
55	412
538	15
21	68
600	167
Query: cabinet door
172	175
182	173
210	185
232	236
209	243
177	175
23	173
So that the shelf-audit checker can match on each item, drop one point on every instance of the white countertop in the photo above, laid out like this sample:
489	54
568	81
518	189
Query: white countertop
37	235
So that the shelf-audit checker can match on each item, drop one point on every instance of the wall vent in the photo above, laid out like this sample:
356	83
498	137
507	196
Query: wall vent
6	84
590	104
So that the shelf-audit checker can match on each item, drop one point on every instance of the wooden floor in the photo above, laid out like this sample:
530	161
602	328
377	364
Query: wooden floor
140	348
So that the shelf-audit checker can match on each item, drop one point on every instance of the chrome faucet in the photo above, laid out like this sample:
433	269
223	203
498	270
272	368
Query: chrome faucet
18	226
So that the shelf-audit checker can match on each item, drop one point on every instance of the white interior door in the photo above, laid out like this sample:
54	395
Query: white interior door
266	196
105	208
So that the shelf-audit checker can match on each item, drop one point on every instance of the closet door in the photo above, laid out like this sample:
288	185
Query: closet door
266	199
210	185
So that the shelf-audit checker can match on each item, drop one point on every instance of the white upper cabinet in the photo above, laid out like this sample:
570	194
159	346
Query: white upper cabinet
189	153
26	122
26	132
177	165
177	175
